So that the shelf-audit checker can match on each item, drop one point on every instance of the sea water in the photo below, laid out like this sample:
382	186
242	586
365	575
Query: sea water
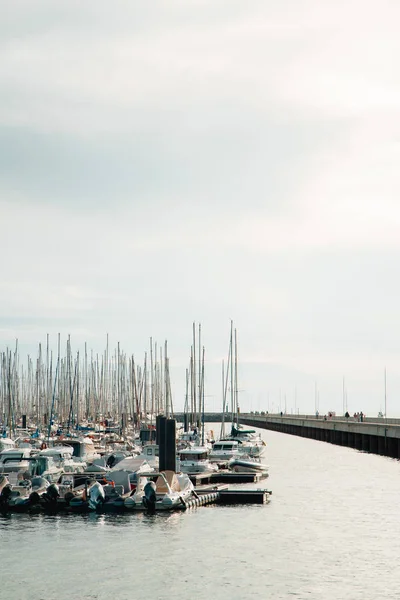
331	531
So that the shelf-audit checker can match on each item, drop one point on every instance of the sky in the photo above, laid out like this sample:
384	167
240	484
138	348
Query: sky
164	163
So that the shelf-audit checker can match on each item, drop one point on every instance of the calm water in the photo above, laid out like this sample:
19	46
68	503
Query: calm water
331	531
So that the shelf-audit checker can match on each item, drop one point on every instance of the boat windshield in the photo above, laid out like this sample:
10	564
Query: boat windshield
38	466
152	451
193	457
224	447
11	456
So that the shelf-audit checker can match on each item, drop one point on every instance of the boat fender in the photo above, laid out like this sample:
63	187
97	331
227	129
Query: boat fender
5	494
34	498
43	446
69	496
53	491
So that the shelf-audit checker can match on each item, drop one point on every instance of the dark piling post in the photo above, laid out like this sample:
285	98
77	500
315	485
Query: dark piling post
162	443
185	422
158	417
23	421
170	446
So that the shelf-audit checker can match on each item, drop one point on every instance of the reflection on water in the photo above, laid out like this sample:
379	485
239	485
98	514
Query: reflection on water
331	531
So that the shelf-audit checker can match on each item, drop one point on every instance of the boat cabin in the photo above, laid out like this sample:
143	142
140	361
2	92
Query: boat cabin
226	446
83	449
193	454
14	459
150	451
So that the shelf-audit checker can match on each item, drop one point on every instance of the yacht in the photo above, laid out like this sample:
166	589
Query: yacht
14	461
44	466
224	450
250	444
63	457
84	449
196	460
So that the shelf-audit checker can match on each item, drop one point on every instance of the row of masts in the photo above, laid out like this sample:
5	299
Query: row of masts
195	388
82	386
232	375
195	396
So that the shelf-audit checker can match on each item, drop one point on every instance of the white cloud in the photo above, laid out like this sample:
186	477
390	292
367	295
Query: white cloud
198	161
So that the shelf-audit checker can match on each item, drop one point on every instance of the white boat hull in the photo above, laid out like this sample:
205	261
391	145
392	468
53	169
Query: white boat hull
239	465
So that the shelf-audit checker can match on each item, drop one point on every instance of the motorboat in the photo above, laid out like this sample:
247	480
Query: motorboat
170	491
133	467
132	464
44	466
224	450
250	443
63	457
14	461
118	488
91	500
84	449
6	443
27	495
196	460
242	464
150	453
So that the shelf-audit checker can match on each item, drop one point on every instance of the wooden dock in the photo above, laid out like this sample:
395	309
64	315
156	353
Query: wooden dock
226	477
244	496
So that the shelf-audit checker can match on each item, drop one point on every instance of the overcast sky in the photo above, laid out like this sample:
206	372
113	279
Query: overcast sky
169	162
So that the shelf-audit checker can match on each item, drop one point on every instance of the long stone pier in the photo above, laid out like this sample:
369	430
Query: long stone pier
378	436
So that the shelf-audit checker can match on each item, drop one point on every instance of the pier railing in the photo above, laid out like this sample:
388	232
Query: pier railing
378	436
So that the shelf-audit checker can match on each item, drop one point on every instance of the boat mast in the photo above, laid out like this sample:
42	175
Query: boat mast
194	375
222	432
236	384
200	382
186	408
191	388
151	381
232	376
166	375
202	399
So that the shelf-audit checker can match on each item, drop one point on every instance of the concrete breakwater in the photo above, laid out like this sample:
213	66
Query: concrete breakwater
378	437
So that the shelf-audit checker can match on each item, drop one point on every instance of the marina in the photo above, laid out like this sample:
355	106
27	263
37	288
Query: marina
112	444
120	489
199	365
